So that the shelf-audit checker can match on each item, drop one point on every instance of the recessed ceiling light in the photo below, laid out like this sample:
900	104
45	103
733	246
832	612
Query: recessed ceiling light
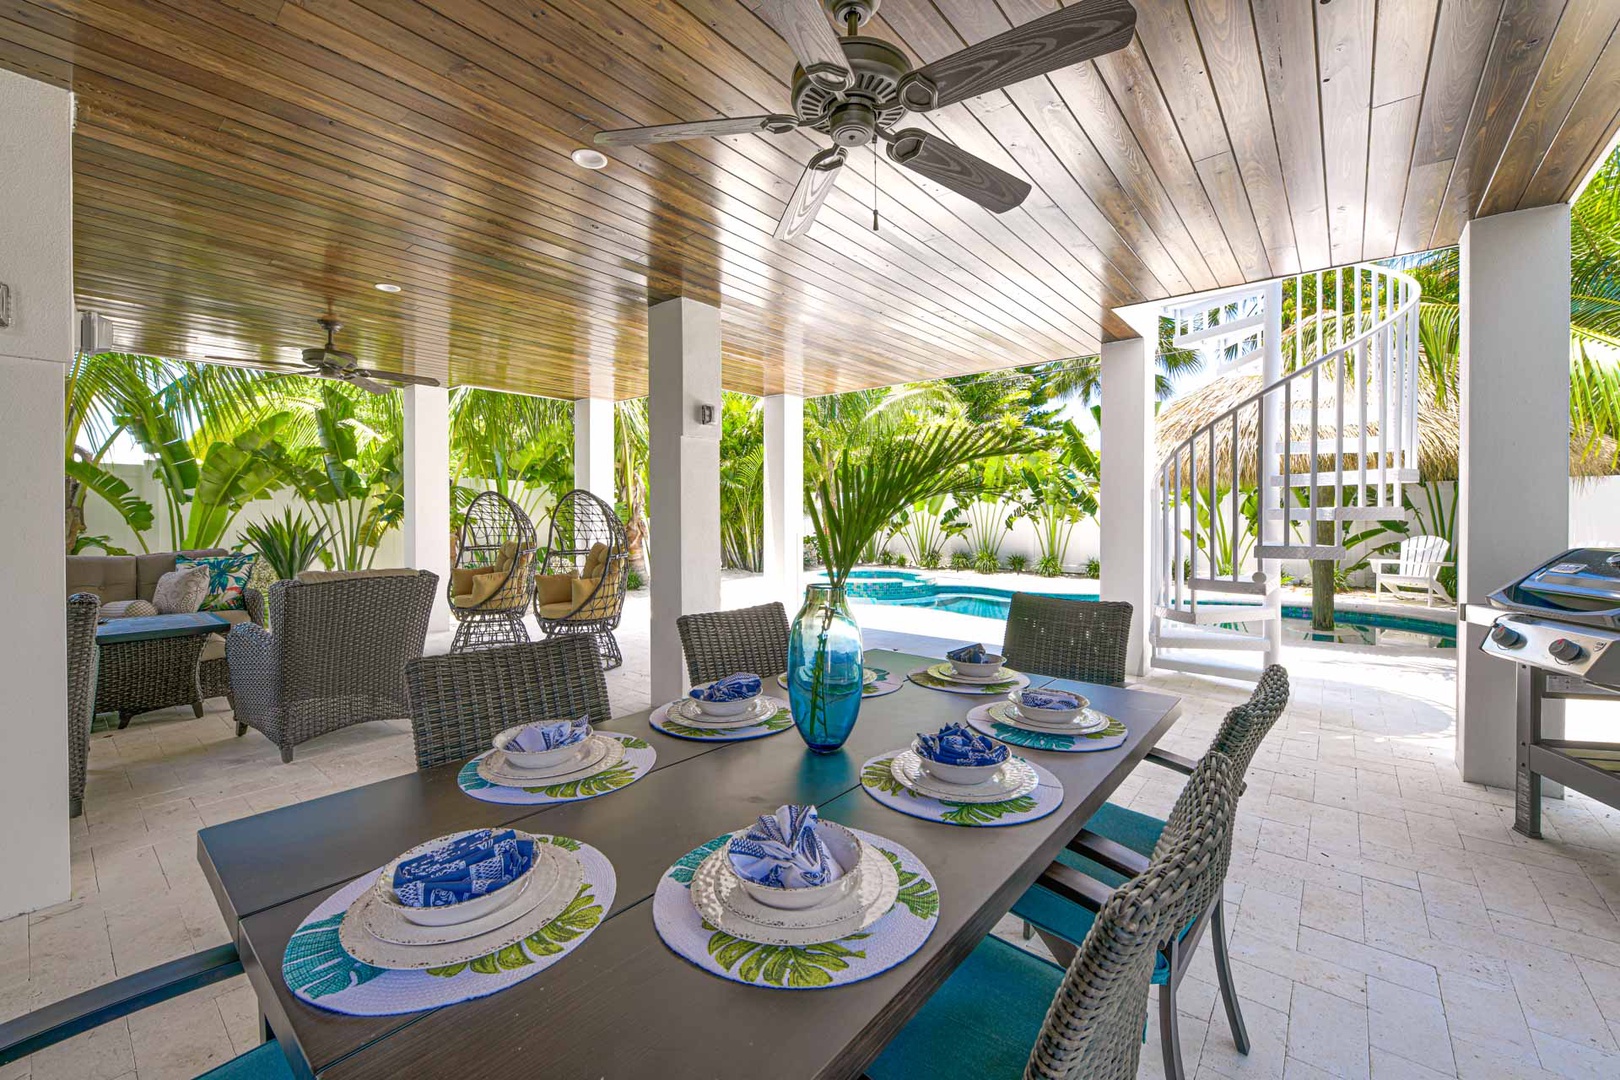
586	158
383	286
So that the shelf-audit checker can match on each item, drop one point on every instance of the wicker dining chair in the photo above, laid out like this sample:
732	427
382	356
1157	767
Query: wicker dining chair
1117	843
460	701
581	586
721	643
1068	639
493	577
336	655
1006	1013
82	654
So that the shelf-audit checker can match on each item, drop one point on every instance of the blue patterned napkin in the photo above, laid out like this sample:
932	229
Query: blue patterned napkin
1049	699
468	866
970	654
731	688
783	850
544	735
958	745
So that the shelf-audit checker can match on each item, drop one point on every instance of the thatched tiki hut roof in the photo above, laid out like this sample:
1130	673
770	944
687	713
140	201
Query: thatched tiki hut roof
1438	431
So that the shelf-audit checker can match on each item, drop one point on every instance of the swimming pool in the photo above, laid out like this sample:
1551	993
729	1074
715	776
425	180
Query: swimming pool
913	588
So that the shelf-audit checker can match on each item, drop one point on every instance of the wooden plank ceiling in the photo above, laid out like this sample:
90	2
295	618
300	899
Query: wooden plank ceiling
242	167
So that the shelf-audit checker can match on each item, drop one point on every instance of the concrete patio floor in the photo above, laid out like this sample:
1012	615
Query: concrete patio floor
1388	923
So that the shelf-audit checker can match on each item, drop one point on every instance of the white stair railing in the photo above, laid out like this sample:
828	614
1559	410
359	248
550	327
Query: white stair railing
1327	439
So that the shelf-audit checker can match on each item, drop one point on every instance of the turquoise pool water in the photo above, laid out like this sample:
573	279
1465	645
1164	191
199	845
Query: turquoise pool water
914	588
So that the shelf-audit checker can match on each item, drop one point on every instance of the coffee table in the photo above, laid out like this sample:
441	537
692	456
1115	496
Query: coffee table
150	662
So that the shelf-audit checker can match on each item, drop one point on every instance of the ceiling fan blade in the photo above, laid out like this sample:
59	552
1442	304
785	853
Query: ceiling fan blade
256	365
1066	36
948	164
356	379
803	25
396	376
812	190
775	123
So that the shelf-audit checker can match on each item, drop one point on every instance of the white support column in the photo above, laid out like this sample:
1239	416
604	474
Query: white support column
427	490
1513	489
1127	482
683	370
36	265
784	496
593	447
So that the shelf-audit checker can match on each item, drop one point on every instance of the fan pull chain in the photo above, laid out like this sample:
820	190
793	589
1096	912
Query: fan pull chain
874	188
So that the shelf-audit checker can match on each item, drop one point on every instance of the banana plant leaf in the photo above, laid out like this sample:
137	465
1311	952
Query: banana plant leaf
136	511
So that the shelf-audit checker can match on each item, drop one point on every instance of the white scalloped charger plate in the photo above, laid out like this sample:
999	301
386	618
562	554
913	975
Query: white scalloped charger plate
1089	720
950	674
1015	778
496	769
687	712
361	944
557	880
720	899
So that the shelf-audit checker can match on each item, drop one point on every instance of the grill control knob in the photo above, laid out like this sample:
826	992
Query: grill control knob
1505	636
1565	651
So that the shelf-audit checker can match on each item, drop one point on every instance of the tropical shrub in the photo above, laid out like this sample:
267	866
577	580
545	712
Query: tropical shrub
961	560
1049	566
288	544
985	562
1018	563
1092	569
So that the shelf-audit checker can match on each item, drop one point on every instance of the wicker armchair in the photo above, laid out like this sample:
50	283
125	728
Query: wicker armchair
1068	639
1086	1022
459	702
82	611
337	655
494	574
213	672
721	643
581	588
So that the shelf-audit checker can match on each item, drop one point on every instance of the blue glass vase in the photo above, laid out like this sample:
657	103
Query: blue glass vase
824	669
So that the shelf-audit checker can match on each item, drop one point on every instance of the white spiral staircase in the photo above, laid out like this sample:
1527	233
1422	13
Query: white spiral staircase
1325	441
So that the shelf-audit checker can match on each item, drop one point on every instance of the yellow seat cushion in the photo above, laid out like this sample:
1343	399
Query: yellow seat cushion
555	588
556	611
462	578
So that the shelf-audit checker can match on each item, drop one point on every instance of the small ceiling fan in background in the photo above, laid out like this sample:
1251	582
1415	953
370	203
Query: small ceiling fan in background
856	89
330	362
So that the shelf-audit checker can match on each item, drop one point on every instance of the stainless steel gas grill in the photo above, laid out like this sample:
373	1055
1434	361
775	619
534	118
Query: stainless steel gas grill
1561	626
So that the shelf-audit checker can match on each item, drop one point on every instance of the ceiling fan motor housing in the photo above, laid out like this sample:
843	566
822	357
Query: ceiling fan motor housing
850	116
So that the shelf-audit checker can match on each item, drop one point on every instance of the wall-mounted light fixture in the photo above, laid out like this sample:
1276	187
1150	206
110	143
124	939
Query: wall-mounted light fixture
705	414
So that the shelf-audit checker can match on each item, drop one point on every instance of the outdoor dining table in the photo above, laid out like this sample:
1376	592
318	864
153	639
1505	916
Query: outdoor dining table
624	1005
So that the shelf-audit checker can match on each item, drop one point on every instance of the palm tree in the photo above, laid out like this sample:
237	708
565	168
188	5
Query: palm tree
1081	376
630	453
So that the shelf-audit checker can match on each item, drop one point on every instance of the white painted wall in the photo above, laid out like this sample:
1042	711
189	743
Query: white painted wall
36	262
683	374
426	531
1513	481
784	495
1126	489
593	447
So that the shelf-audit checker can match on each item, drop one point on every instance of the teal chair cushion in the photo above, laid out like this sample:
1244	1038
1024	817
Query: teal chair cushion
981	1024
1071	922
263	1062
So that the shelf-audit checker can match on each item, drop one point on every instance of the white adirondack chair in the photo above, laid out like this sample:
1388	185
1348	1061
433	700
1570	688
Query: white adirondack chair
1416	568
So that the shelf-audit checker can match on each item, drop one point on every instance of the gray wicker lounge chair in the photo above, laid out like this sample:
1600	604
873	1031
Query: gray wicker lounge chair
721	643
580	589
82	609
459	702
1116	843
1005	1013
337	655
494	574
1068	639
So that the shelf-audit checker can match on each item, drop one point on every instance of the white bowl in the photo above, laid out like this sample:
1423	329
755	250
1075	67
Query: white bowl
846	849
724	708
956	774
989	669
1047	716
541	759
450	914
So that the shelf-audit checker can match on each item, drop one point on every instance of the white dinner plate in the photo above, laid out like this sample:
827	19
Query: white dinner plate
1015	778
495	768
719	897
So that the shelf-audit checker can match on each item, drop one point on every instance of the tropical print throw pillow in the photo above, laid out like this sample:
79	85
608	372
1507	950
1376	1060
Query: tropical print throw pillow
227	577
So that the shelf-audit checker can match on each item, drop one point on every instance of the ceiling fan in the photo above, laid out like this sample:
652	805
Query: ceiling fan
330	362
857	89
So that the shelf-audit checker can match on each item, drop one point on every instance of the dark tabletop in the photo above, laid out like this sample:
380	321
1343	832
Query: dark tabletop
152	627
623	1005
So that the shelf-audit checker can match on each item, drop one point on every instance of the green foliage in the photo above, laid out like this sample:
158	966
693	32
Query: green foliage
289	544
633	581
136	512
1049	566
316	963
961	560
516	444
595	784
985	562
917	893
861	494
878	775
742	482
85	542
986	813
1018	563
1092	569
